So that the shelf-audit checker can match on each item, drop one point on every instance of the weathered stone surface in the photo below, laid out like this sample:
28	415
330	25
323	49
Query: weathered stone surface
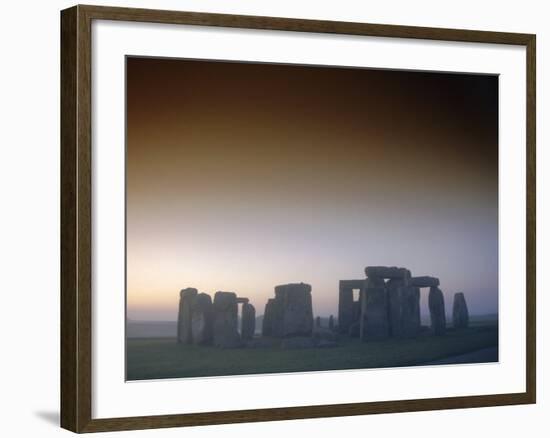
241	300
373	282
187	297
436	303
345	307
424	281
267	323
387	272
331	323
202	319
248	321
374	314
395	283
355	329
461	317
297	342
293	301
226	334
318	321
404	311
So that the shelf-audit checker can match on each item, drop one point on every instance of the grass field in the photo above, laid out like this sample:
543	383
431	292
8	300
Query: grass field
158	358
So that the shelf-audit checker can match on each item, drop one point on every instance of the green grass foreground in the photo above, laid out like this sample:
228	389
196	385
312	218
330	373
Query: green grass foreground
160	358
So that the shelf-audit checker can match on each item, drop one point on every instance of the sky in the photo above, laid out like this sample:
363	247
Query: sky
244	176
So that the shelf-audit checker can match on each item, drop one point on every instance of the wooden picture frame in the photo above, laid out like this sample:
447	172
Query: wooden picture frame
76	218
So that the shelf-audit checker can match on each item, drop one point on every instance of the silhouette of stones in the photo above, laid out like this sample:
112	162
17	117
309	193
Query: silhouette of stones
404	310
248	321
374	321
293	308
187	297
424	281
348	309
201	319
436	303
331	323
241	300
226	310
267	322
460	311
318	321
386	272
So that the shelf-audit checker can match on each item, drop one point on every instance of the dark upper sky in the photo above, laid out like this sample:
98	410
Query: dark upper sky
243	176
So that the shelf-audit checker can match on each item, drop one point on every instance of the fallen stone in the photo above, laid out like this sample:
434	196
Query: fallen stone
460	311
436	303
187	297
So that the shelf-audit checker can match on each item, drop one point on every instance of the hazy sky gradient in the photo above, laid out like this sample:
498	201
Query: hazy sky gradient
244	176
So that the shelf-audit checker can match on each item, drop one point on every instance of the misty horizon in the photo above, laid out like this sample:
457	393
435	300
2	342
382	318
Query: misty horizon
241	177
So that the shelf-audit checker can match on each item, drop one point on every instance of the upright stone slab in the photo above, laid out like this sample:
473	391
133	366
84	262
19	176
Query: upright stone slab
187	297
346	315
202	319
460	311
318	321
374	321
226	334
248	321
297	310
436	303
331	323
404	309
267	329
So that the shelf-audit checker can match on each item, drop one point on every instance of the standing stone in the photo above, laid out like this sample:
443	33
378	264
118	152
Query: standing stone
404	309
202	319
226	322
278	311
187	296
411	312
248	322
268	317
331	323
374	321
293	301
347	313
460	311
436	303
318	321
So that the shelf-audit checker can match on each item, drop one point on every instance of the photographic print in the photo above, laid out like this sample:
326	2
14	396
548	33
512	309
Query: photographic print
299	218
